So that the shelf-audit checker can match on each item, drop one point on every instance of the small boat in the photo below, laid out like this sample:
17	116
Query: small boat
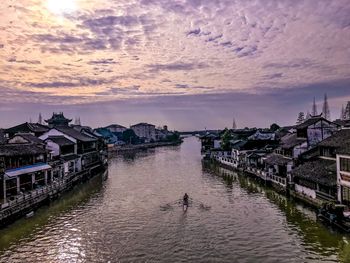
334	215
185	206
30	214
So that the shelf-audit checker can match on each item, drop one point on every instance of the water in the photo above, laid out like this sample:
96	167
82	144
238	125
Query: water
133	216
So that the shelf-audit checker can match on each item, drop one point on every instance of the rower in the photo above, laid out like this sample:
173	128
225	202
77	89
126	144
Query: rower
185	199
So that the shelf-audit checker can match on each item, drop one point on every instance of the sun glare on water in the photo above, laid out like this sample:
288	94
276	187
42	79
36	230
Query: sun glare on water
60	7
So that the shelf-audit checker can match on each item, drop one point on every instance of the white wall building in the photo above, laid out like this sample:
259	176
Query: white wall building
145	131
116	128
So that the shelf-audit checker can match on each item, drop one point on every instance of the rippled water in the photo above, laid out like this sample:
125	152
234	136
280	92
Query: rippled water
134	216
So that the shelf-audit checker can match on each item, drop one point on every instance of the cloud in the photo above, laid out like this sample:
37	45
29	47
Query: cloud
181	86
14	60
194	32
215	38
274	76
186	86
106	61
74	82
95	24
176	66
285	51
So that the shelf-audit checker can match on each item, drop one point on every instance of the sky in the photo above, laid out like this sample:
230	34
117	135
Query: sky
190	64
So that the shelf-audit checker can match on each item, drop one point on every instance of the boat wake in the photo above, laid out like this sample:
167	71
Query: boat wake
179	203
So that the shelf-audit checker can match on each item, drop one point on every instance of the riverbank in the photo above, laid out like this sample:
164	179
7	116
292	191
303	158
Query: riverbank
143	146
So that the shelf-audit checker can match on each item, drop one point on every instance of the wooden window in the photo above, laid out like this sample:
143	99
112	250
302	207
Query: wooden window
345	164
346	195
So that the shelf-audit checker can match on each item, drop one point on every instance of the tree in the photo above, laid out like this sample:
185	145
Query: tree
347	111
301	118
226	137
274	127
314	108
325	109
175	136
342	113
130	137
234	124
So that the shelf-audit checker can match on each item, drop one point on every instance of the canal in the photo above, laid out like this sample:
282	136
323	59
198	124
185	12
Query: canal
134	216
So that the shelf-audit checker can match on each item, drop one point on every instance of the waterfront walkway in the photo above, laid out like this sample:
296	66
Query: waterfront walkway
19	205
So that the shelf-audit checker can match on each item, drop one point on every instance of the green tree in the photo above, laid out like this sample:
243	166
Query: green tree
226	137
274	127
175	136
130	137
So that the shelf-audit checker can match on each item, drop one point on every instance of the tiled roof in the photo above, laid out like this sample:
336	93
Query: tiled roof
251	144
311	121
30	138
344	123
319	171
115	126
27	127
75	134
340	141
58	117
278	159
60	140
142	124
291	140
20	150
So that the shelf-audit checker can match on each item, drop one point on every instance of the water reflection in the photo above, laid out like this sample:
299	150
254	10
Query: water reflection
24	230
316	238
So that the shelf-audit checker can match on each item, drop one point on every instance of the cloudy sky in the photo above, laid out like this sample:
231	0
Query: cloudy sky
190	64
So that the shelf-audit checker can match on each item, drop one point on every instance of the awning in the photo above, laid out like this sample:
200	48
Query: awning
26	169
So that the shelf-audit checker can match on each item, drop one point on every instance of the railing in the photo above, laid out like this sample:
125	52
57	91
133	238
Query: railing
279	180
324	196
27	199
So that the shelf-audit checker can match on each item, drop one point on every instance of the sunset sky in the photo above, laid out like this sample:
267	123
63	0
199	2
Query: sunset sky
190	64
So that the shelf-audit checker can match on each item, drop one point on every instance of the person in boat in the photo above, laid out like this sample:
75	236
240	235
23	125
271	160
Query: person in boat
185	199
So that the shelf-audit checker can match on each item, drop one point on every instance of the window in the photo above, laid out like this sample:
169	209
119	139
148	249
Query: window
345	164
345	195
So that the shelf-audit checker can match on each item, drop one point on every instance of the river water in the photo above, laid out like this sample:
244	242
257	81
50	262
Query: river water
134	216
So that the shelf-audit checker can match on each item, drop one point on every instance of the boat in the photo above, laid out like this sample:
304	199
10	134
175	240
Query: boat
185	206
334	215
30	214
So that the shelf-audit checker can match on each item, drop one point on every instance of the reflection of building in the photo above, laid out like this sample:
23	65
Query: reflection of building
145	131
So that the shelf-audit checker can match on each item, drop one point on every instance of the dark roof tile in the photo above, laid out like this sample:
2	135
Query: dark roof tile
20	150
320	171
60	140
75	134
